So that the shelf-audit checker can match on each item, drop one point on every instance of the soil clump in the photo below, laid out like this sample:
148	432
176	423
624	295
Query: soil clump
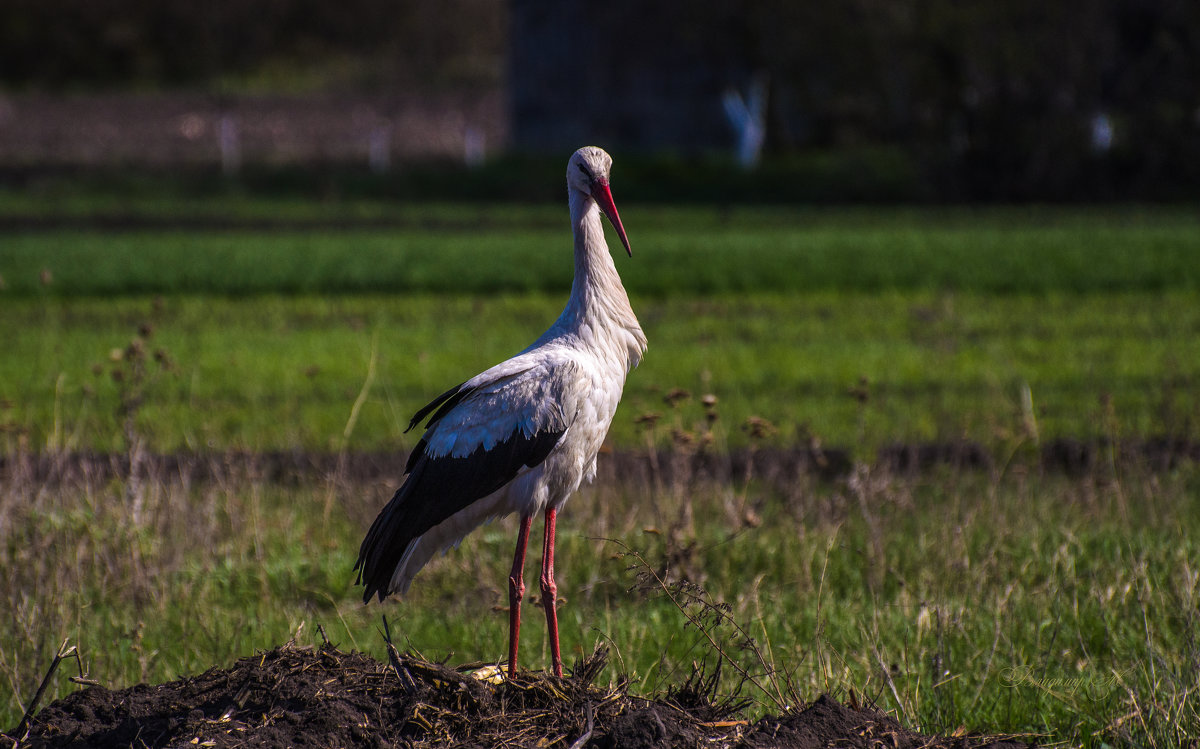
322	697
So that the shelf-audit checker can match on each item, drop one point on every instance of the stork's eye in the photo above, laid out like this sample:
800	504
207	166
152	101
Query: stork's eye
585	171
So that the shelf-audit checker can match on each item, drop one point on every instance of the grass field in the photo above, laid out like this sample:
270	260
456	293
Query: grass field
489	249
963	324
1013	599
276	373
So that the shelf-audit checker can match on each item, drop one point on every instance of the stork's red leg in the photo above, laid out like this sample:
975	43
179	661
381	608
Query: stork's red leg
550	591
516	591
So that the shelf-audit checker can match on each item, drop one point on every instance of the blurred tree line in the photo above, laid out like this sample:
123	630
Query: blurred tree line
1012	99
84	44
1019	99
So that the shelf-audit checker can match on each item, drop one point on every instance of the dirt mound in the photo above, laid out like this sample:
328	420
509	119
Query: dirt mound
305	697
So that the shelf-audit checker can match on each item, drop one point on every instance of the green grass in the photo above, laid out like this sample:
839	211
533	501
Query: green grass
490	249
948	314
277	373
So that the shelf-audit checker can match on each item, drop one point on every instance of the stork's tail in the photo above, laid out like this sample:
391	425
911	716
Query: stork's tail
384	548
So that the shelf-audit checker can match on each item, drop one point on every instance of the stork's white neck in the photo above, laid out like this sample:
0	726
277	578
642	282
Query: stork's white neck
598	307
595	272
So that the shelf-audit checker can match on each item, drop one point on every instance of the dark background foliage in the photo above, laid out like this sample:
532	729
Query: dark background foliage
977	100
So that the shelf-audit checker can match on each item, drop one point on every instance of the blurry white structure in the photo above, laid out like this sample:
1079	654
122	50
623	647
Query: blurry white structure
748	117
379	149
1102	132
229	143
474	148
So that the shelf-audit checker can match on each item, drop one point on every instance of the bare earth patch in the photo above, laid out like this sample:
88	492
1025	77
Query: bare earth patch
322	697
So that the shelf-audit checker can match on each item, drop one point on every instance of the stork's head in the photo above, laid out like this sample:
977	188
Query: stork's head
587	172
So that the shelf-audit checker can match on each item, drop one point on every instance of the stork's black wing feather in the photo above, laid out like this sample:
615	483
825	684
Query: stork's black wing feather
446	400
482	434
437	488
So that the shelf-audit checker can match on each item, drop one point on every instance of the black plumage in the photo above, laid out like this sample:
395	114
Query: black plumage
437	487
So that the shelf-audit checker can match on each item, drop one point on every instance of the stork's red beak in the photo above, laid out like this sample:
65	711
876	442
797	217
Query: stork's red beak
603	197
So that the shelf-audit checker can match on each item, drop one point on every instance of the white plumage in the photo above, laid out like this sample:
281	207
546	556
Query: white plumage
522	436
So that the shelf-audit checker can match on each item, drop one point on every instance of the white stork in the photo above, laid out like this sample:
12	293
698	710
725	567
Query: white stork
522	436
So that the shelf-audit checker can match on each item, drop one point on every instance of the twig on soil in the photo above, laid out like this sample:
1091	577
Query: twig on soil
591	724
63	653
402	673
587	670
